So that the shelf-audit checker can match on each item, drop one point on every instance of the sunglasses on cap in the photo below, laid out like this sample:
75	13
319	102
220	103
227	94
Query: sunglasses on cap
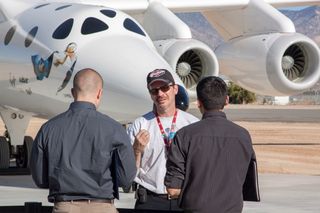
164	88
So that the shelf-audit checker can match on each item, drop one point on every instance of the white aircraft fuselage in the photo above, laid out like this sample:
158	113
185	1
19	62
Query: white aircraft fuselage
123	56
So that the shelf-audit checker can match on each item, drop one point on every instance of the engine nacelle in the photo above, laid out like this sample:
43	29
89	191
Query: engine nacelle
191	59
273	64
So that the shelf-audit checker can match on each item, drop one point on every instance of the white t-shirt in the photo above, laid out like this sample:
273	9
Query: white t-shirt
153	163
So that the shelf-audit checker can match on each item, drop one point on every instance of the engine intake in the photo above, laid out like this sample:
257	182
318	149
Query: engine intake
273	64
191	59
294	62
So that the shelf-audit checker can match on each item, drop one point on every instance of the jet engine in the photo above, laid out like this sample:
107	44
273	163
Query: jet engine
191	59
271	64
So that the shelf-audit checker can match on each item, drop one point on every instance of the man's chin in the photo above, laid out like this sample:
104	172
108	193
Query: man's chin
161	105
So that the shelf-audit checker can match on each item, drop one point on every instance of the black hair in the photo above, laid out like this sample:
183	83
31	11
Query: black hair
212	93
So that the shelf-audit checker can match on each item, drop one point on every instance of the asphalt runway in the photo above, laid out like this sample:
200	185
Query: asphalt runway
279	194
303	114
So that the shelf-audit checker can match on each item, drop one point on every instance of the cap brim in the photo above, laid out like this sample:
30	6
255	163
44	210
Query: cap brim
160	80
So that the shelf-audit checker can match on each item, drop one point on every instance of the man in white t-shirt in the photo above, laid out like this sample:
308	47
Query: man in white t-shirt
151	135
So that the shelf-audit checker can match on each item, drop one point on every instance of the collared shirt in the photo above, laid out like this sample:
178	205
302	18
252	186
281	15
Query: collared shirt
72	155
209	160
153	163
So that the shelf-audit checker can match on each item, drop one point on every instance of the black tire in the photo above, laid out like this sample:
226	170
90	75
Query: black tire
24	153
28	147
4	153
21	158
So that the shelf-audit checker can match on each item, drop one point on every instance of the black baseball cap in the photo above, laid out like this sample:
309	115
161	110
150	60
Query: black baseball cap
160	75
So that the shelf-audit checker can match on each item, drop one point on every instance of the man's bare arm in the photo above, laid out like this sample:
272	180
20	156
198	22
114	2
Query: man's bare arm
140	142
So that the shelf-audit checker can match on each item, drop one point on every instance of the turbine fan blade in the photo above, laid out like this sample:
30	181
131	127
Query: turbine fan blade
297	67
194	73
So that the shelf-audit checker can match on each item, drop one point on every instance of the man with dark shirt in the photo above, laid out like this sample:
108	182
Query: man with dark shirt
82	155
208	160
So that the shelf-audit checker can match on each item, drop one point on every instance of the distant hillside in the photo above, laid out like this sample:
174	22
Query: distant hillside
201	29
306	21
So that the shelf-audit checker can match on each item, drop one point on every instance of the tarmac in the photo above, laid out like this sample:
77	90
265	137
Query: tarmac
269	113
280	193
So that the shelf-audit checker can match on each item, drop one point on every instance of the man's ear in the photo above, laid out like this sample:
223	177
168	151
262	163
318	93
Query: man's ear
227	101
175	89
200	106
199	103
99	94
73	93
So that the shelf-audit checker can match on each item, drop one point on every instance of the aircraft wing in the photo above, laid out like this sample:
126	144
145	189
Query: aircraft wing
140	6
218	12
136	6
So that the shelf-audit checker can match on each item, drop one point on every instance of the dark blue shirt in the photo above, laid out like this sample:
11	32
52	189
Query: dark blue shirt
72	155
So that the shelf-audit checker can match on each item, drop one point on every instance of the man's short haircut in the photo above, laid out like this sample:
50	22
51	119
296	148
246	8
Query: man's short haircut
87	80
212	92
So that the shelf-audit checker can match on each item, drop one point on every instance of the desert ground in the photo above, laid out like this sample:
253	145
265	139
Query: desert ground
281	147
286	147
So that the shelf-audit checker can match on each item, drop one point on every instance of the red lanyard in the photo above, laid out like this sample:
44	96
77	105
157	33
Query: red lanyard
168	139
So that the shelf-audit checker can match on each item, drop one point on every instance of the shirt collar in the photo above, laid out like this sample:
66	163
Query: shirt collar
82	105
209	114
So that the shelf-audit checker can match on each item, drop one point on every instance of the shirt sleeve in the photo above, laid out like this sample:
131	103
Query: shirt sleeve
130	132
175	164
133	129
39	162
125	161
253	155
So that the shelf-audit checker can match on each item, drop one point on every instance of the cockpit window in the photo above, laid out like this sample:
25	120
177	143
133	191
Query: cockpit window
32	33
42	5
108	13
93	25
9	35
62	7
63	30
132	26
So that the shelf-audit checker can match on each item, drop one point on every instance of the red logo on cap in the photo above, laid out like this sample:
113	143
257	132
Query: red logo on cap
157	73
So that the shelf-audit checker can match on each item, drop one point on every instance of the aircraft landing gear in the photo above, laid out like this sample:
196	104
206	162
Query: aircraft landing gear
14	144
